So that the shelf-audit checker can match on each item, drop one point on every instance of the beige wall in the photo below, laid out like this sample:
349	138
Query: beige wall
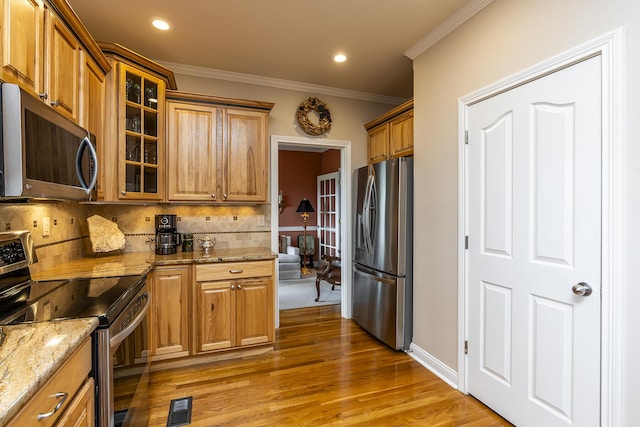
506	37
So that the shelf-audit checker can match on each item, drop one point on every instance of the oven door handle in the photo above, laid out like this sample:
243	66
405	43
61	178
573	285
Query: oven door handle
133	323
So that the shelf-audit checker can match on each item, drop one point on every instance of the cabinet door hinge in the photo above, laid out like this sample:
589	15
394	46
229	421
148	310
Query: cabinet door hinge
466	242
466	347
466	137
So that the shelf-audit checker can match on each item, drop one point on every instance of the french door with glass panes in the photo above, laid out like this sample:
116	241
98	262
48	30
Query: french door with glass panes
329	214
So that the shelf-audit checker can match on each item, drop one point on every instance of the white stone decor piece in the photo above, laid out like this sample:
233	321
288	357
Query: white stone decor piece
104	234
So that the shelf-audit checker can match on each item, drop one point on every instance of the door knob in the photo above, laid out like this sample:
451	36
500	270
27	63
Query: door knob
582	289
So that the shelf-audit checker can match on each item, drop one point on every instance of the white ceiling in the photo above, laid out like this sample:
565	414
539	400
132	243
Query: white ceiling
293	40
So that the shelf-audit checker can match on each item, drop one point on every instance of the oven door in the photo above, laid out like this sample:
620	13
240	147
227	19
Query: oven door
123	367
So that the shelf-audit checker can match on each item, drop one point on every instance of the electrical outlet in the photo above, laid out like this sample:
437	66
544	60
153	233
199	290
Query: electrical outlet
46	226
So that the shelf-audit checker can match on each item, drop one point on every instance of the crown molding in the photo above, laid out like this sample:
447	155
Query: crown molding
191	70
449	25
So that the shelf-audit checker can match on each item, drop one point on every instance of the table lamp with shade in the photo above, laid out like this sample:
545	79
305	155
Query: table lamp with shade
304	208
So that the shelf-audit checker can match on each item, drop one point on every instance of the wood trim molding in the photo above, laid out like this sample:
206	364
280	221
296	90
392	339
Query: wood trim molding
174	95
390	114
68	15
127	55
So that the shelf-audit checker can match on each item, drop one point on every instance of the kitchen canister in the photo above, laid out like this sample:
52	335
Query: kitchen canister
187	243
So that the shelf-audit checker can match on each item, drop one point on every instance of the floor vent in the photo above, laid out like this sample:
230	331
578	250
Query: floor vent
180	412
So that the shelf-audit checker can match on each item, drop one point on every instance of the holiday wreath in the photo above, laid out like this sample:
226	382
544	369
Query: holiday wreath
314	104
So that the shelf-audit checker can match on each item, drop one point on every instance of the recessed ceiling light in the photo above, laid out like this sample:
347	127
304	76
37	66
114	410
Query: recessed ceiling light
160	24
340	57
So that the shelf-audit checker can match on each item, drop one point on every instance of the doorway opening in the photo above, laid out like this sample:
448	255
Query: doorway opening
343	225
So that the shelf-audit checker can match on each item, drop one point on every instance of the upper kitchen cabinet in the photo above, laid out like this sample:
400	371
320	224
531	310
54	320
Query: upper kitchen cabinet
134	162
217	149
23	43
62	75
391	135
43	44
92	108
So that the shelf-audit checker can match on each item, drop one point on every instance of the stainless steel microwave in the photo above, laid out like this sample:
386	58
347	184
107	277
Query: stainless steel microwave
43	154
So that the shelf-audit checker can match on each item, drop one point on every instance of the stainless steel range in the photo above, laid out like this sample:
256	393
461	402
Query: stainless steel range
121	304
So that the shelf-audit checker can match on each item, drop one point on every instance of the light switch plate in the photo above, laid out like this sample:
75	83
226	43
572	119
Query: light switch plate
46	226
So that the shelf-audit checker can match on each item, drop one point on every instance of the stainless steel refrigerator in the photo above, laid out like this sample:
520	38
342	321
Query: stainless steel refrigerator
383	251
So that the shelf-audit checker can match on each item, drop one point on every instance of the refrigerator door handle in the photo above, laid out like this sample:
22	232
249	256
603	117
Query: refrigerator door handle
370	274
370	202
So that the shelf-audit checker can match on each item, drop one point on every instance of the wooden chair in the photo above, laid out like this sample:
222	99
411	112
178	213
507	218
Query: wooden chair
331	273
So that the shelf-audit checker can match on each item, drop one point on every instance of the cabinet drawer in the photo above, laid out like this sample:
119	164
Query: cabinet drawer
67	379
233	270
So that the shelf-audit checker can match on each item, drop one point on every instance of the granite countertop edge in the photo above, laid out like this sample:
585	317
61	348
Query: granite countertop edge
26	365
138	263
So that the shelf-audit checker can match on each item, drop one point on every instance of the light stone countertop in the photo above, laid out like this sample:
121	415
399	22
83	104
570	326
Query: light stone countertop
31	353
136	263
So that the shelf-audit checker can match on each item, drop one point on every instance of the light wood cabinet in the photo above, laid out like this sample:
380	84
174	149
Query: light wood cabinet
134	162
379	143
217	149
23	43
42	43
72	382
169	315
194	133
233	305
81	409
62	71
391	135
92	109
215	313
246	154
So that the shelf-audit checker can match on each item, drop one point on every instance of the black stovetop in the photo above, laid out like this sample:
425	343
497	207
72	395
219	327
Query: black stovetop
103	298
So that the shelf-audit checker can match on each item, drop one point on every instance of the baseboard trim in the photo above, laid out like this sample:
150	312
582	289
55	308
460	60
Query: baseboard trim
441	370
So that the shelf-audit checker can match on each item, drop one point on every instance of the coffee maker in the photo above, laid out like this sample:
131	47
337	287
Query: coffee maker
167	238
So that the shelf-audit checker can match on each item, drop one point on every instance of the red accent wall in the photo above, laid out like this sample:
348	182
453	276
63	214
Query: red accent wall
297	178
330	161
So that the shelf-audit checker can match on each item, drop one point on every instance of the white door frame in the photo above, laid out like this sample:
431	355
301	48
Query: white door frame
345	207
610	48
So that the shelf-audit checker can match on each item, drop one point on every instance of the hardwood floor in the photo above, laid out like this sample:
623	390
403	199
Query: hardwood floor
325	370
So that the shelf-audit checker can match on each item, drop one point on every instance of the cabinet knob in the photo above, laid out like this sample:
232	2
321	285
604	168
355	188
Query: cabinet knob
43	95
124	193
239	287
233	287
54	103
213	195
224	196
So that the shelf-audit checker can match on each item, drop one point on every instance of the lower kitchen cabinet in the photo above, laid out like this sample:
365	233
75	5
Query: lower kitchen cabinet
66	399
82	409
233	305
169	316
214	310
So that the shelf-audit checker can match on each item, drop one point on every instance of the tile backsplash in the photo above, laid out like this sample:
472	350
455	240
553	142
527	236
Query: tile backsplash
232	226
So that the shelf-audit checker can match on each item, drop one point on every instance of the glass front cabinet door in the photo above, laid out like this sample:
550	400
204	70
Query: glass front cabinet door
141	119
